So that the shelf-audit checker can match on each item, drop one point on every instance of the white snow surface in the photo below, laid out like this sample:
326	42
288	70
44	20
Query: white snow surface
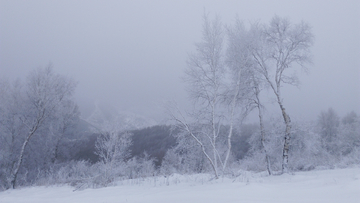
337	185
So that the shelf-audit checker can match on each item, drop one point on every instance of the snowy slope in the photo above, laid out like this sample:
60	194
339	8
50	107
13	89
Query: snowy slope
329	186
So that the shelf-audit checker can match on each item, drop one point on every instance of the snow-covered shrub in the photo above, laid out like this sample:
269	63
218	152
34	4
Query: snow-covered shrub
71	173
306	151
255	157
170	163
140	167
185	158
340	138
113	148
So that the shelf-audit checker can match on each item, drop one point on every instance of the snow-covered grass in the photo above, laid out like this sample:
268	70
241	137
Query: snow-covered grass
337	185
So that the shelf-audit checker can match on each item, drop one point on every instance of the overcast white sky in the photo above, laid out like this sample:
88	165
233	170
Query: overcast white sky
131	54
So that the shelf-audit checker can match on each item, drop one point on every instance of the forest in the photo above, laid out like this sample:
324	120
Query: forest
45	141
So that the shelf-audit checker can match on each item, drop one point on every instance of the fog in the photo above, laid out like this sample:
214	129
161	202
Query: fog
131	54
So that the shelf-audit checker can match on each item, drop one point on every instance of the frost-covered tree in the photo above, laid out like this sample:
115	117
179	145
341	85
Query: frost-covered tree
112	147
255	159
246	81
306	150
33	108
282	47
186	157
204	77
11	128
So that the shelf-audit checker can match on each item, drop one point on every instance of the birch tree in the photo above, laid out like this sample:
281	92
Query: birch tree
257	84
204	77
260	107
283	47
11	128
246	82
244	89
44	93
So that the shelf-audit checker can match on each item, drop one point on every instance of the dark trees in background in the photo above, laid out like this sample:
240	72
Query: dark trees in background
85	149
240	140
154	141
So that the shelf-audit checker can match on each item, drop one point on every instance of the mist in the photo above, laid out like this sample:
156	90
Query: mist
131	54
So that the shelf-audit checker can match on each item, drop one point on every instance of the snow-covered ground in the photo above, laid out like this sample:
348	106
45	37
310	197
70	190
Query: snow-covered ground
338	185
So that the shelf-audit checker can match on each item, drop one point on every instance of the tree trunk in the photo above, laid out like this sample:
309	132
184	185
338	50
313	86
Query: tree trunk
262	132
18	165
286	140
16	171
287	122
202	148
55	152
214	134
229	146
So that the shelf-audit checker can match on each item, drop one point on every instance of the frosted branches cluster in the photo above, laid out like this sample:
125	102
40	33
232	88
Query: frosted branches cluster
225	79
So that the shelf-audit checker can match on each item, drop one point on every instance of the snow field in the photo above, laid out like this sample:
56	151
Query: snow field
329	186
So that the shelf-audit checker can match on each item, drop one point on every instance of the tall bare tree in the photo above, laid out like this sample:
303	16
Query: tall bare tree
204	76
45	91
11	128
246	81
281	48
